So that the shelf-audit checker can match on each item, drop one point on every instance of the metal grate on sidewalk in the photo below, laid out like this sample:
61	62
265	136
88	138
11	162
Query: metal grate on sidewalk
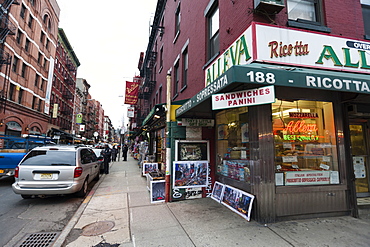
40	239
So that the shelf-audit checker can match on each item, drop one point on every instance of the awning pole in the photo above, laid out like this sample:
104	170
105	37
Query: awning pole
168	139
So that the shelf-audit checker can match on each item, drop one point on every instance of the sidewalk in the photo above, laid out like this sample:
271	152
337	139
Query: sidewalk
118	212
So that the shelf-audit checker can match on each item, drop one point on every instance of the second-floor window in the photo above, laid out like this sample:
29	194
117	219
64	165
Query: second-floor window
213	31
366	16
185	67
20	96
176	79
303	9
30	21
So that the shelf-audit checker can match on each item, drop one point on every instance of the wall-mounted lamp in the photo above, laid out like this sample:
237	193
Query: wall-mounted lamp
157	116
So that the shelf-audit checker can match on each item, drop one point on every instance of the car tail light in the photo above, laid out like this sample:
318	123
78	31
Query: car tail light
101	159
78	172
16	172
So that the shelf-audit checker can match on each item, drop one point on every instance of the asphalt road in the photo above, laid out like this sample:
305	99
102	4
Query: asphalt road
20	217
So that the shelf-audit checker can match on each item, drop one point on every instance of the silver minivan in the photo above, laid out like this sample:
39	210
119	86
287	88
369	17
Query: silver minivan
56	170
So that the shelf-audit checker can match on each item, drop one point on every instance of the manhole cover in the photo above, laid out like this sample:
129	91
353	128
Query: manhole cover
97	228
39	239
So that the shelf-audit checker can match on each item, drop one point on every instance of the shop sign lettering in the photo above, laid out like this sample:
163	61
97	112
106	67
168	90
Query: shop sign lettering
300	126
236	54
258	96
307	177
337	83
278	49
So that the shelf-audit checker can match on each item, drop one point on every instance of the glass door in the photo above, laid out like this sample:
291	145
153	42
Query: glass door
360	158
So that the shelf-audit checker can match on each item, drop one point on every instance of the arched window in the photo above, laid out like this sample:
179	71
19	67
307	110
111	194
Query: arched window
13	129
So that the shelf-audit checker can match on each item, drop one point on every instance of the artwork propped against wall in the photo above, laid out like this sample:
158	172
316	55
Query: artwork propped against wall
188	174
236	200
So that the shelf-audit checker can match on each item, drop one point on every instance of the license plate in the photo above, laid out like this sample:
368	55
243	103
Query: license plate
46	175
1	171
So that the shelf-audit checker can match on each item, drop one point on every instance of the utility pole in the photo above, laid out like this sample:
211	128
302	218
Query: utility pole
168	139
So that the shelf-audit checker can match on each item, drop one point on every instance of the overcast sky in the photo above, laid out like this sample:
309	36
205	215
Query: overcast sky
107	37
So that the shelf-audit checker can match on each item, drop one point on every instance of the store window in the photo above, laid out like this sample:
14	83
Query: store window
233	144
305	143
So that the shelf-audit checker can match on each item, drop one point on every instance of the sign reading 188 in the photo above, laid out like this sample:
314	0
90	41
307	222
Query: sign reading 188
261	77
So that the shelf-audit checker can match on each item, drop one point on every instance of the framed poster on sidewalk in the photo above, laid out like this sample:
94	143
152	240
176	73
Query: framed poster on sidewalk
189	174
149	167
217	192
157	191
238	201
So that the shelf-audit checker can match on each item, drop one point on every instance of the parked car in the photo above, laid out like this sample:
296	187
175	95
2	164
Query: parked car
97	152
56	170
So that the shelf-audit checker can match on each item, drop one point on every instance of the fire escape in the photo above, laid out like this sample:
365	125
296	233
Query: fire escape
148	86
6	28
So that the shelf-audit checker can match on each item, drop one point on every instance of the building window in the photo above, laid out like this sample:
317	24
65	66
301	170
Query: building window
366	16
45	63
20	96
30	21
213	32
37	79
11	91
23	11
19	36
39	58
185	67
42	37
305	143
176	79
34	102
15	64
305	10
24	70
177	20
47	44
161	58
32	2
27	45
42	86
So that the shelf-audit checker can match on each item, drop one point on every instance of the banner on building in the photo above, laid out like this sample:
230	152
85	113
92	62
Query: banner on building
55	110
132	90
79	118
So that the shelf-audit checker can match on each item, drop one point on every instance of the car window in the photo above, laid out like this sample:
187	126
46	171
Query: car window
50	158
87	156
93	155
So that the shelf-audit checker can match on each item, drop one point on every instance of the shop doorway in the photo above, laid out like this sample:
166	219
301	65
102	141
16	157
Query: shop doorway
359	132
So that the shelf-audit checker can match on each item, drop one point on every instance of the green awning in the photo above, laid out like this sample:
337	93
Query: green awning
267	74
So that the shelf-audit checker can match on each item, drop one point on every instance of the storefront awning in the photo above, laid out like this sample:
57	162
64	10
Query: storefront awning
268	74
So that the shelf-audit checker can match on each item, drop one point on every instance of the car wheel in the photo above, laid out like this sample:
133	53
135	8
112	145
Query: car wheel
83	190
26	196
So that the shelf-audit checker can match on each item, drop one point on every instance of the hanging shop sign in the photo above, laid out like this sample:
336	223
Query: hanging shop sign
258	96
278	45
130	111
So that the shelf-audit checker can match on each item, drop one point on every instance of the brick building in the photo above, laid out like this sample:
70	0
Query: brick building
26	77
300	150
62	115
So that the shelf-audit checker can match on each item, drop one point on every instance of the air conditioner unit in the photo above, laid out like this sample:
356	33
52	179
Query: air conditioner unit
270	6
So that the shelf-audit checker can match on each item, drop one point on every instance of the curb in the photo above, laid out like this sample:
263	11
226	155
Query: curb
73	221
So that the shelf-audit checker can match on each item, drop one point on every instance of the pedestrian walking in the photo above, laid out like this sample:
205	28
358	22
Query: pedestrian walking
107	156
124	152
114	153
